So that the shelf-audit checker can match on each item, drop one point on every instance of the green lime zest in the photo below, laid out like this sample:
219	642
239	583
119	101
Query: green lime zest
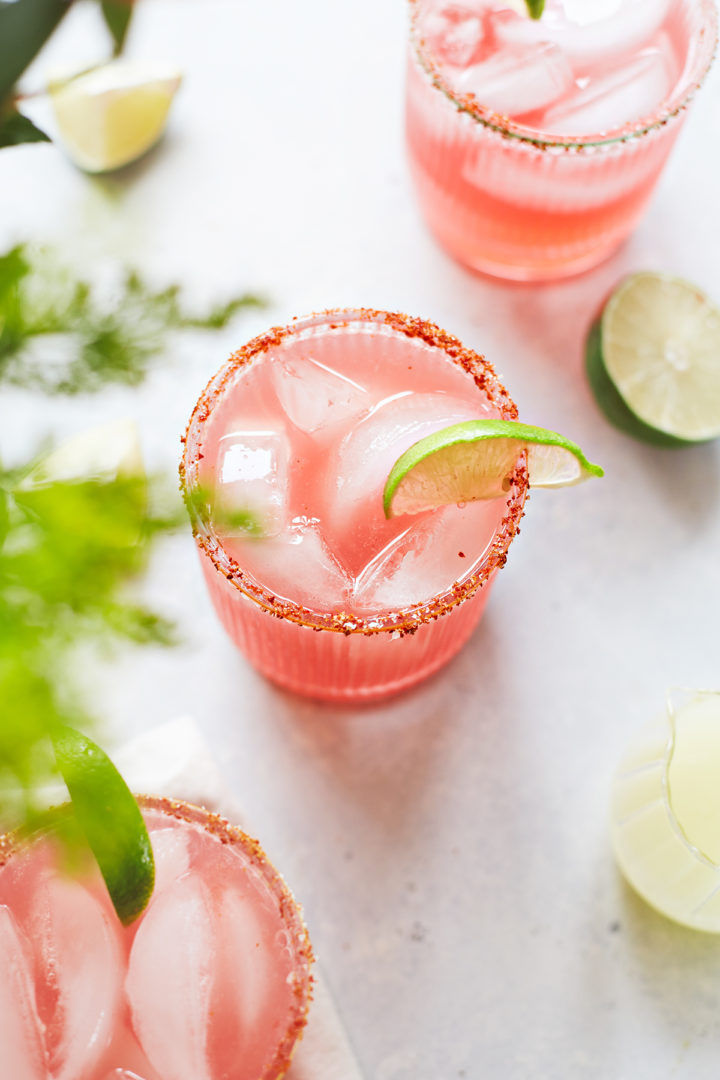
477	460
110	818
535	8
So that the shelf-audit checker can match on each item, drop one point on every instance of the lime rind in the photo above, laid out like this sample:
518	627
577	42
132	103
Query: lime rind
611	402
475	460
111	820
659	344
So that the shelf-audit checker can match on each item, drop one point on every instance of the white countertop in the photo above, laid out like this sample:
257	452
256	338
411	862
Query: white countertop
450	846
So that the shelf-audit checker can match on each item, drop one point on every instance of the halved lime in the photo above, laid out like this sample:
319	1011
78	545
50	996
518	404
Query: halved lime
110	818
112	115
475	460
653	360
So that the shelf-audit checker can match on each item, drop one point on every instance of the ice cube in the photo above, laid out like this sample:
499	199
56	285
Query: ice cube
453	35
78	975
590	33
299	566
123	1074
519	80
251	992
628	93
314	395
356	528
172	856
429	556
252	477
23	1056
169	980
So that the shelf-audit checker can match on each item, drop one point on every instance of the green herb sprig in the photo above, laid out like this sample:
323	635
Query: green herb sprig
68	551
44	308
535	8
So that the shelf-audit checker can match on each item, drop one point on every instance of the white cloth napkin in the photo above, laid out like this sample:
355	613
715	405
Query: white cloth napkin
173	759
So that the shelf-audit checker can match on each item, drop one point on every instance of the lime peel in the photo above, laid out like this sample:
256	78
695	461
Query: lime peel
111	820
476	460
653	361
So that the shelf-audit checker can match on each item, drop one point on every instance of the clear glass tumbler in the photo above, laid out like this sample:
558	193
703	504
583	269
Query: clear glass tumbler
333	601
213	980
511	201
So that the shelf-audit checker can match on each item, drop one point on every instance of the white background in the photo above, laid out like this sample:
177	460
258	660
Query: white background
450	846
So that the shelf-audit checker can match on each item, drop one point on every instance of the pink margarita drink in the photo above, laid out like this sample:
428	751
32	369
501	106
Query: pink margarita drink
300	430
212	982
534	145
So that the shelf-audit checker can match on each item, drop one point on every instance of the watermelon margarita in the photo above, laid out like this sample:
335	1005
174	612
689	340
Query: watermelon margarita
300	430
534	145
212	982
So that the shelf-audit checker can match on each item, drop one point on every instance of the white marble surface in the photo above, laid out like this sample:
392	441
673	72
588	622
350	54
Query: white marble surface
450	846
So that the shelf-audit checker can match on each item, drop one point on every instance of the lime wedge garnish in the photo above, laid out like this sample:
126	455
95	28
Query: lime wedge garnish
475	460
110	116
110	818
653	360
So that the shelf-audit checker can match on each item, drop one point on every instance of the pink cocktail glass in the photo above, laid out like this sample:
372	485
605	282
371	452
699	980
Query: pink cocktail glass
534	147
301	428
211	982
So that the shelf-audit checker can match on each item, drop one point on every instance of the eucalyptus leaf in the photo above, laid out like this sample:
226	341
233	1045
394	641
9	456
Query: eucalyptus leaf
16	129
117	15
25	26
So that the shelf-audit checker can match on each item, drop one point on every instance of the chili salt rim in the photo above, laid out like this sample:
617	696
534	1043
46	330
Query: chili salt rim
406	620
216	825
507	128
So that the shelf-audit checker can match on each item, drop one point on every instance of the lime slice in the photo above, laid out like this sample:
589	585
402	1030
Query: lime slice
110	818
100	453
112	115
653	360
475	460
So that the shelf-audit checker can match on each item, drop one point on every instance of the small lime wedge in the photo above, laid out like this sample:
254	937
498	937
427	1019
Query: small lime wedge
97	453
653	361
475	460
113	114
110	818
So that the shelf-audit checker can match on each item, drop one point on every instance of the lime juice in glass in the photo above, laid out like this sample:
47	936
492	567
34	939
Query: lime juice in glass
535	144
321	591
211	982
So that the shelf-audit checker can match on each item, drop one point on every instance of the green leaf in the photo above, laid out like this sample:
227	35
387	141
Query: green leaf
13	267
535	8
25	26
117	15
16	129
